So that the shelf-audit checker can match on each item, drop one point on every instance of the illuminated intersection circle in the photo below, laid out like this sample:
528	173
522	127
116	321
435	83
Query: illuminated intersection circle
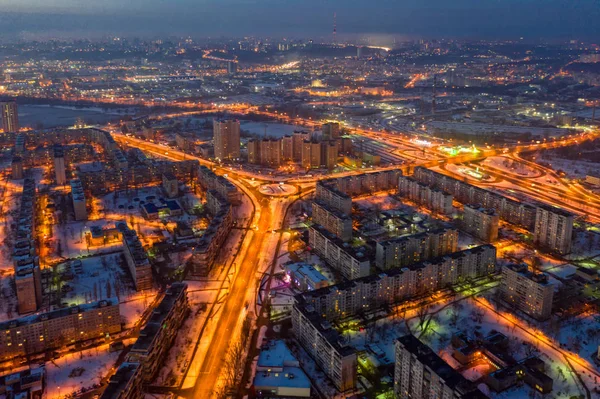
277	190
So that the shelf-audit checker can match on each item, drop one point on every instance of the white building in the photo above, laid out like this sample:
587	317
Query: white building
481	222
226	139
529	292
553	229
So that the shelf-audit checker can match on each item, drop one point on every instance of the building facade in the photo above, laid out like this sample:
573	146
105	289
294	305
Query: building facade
410	249
349	261
226	139
527	291
422	194
480	222
158	335
51	330
553	229
333	220
10	117
420	373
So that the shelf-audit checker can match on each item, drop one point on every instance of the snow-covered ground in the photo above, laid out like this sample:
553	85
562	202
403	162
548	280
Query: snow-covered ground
573	168
511	166
63	374
383	201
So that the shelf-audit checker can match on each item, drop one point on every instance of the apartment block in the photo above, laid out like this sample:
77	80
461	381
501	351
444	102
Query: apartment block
298	139
170	184
509	210
78	196
270	152
553	229
156	338
137	261
331	130
351	262
25	260
17	168
422	194
253	151
25	384
59	165
38	333
527	291
481	222
315	311
287	148
410	249
366	183
332	220
214	236
210	181
126	383
420	373
333	198
226	139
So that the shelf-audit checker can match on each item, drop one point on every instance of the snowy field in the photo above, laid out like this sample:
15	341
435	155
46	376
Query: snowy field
77	371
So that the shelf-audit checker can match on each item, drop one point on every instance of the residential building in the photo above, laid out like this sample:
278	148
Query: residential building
25	384
126	383
298	139
137	261
59	165
10	117
509	210
351	262
28	284
170	184
210	181
315	311
270	152
208	248
333	220
25	261
78	196
422	194
305	277
254	151
528	291
278	373
409	249
331	130
20	141
17	168
481	222
329	154
41	332
226	138
158	335
287	148
553	229
333	198
420	373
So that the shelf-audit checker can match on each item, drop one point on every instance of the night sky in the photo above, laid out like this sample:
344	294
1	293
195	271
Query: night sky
532	19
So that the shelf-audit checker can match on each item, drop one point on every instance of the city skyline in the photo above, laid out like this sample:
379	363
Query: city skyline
502	19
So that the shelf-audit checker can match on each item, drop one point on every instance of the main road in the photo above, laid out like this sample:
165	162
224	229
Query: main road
244	282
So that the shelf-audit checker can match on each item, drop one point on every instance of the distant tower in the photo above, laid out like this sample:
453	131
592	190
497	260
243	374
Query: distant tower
433	94
10	116
334	27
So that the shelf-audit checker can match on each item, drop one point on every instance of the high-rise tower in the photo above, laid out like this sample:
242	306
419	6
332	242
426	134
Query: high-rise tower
10	117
